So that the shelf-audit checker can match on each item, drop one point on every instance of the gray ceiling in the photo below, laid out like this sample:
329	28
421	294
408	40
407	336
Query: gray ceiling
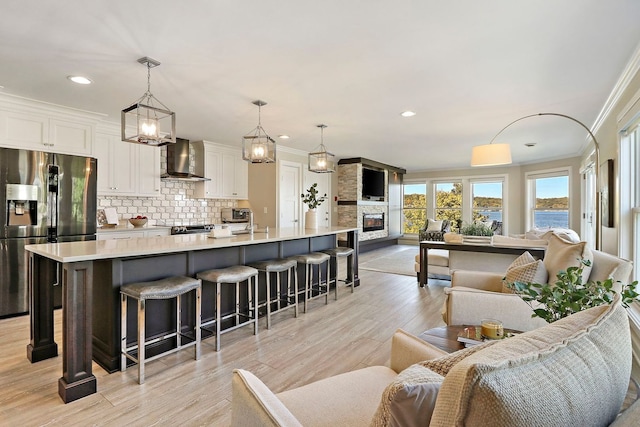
466	67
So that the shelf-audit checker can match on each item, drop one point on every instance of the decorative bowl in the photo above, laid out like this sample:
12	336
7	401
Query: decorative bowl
137	222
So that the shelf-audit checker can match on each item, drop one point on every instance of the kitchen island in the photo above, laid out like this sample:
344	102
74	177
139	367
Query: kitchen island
91	273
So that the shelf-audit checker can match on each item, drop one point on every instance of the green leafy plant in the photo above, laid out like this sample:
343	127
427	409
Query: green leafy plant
311	199
476	229
569	295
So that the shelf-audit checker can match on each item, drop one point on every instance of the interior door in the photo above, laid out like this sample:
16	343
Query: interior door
587	226
289	200
324	187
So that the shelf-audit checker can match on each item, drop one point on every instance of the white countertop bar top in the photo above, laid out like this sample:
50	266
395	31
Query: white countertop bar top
107	249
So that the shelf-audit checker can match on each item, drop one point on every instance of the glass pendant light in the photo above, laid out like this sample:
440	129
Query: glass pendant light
144	122
321	161
257	146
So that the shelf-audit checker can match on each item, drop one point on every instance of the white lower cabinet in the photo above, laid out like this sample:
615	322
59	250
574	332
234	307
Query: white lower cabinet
125	168
226	169
119	235
133	234
157	232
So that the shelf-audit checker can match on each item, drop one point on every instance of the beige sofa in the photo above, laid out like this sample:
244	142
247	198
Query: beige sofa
441	263
572	372
475	295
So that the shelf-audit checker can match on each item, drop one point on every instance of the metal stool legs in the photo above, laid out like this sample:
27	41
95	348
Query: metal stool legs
173	287
234	276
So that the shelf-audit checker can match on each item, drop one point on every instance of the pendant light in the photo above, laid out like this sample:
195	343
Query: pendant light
257	146
321	161
144	122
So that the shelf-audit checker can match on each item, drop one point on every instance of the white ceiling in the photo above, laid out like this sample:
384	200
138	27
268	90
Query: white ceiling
466	67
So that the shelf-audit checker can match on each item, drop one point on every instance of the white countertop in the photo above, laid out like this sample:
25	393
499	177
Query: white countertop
106	249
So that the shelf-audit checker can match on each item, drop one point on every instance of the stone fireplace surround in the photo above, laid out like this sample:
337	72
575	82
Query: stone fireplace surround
351	207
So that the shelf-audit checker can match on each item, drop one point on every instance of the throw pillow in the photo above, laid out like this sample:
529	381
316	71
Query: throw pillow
433	225
524	259
442	365
488	223
409	400
562	254
571	372
534	272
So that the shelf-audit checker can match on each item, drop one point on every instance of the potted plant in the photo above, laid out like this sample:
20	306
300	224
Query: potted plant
311	199
569	295
476	232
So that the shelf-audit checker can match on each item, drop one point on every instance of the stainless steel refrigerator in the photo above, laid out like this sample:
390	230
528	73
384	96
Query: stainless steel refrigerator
46	197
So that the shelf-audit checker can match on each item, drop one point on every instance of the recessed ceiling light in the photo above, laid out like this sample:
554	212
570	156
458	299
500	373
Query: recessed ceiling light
80	80
283	136
407	114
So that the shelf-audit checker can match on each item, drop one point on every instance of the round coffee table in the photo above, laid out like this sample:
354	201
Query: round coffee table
446	337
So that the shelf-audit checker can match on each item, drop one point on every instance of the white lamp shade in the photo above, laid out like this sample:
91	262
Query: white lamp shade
491	155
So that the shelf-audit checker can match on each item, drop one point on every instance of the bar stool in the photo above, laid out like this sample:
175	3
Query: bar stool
308	261
233	275
289	295
340	252
171	287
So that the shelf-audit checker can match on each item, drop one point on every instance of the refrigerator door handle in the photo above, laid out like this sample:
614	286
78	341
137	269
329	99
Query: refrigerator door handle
52	204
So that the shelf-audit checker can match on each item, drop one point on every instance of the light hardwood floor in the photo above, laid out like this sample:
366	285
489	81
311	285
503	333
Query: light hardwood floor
344	335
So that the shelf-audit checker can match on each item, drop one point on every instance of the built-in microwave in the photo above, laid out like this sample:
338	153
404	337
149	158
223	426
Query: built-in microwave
236	214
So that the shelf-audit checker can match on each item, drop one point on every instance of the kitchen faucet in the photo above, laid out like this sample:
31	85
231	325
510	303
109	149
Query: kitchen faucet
250	225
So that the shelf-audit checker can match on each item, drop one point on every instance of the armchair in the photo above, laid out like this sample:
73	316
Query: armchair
499	383
475	295
437	233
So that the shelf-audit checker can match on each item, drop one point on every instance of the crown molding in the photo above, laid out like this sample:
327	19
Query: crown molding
628	73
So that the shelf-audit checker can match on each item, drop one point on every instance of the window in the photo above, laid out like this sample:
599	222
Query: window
629	199
449	202
487	201
414	208
548	200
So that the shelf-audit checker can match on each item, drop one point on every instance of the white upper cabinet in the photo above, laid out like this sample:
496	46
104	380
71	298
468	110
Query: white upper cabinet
208	164
148	170
241	176
226	169
125	168
34	125
115	165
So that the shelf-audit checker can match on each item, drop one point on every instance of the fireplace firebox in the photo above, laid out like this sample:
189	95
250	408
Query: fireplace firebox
372	221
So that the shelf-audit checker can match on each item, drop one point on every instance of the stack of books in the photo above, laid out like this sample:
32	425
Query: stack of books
471	336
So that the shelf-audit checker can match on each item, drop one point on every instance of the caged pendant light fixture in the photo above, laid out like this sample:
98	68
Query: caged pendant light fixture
148	121
321	161
257	146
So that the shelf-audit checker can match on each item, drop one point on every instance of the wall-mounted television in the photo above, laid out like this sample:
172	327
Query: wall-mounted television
373	184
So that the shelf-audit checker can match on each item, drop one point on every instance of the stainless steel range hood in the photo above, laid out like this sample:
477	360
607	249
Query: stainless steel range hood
178	163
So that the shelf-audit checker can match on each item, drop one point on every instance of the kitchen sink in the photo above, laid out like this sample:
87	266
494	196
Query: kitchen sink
240	231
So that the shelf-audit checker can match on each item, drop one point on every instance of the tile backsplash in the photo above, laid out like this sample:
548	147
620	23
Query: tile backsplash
175	205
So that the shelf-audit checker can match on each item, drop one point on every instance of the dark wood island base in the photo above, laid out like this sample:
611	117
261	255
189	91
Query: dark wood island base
94	271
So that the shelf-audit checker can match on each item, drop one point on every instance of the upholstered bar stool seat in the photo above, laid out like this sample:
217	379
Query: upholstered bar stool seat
341	252
308	261
290	295
171	287
233	275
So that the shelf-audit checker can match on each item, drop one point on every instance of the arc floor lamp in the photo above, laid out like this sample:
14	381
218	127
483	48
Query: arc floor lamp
495	154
